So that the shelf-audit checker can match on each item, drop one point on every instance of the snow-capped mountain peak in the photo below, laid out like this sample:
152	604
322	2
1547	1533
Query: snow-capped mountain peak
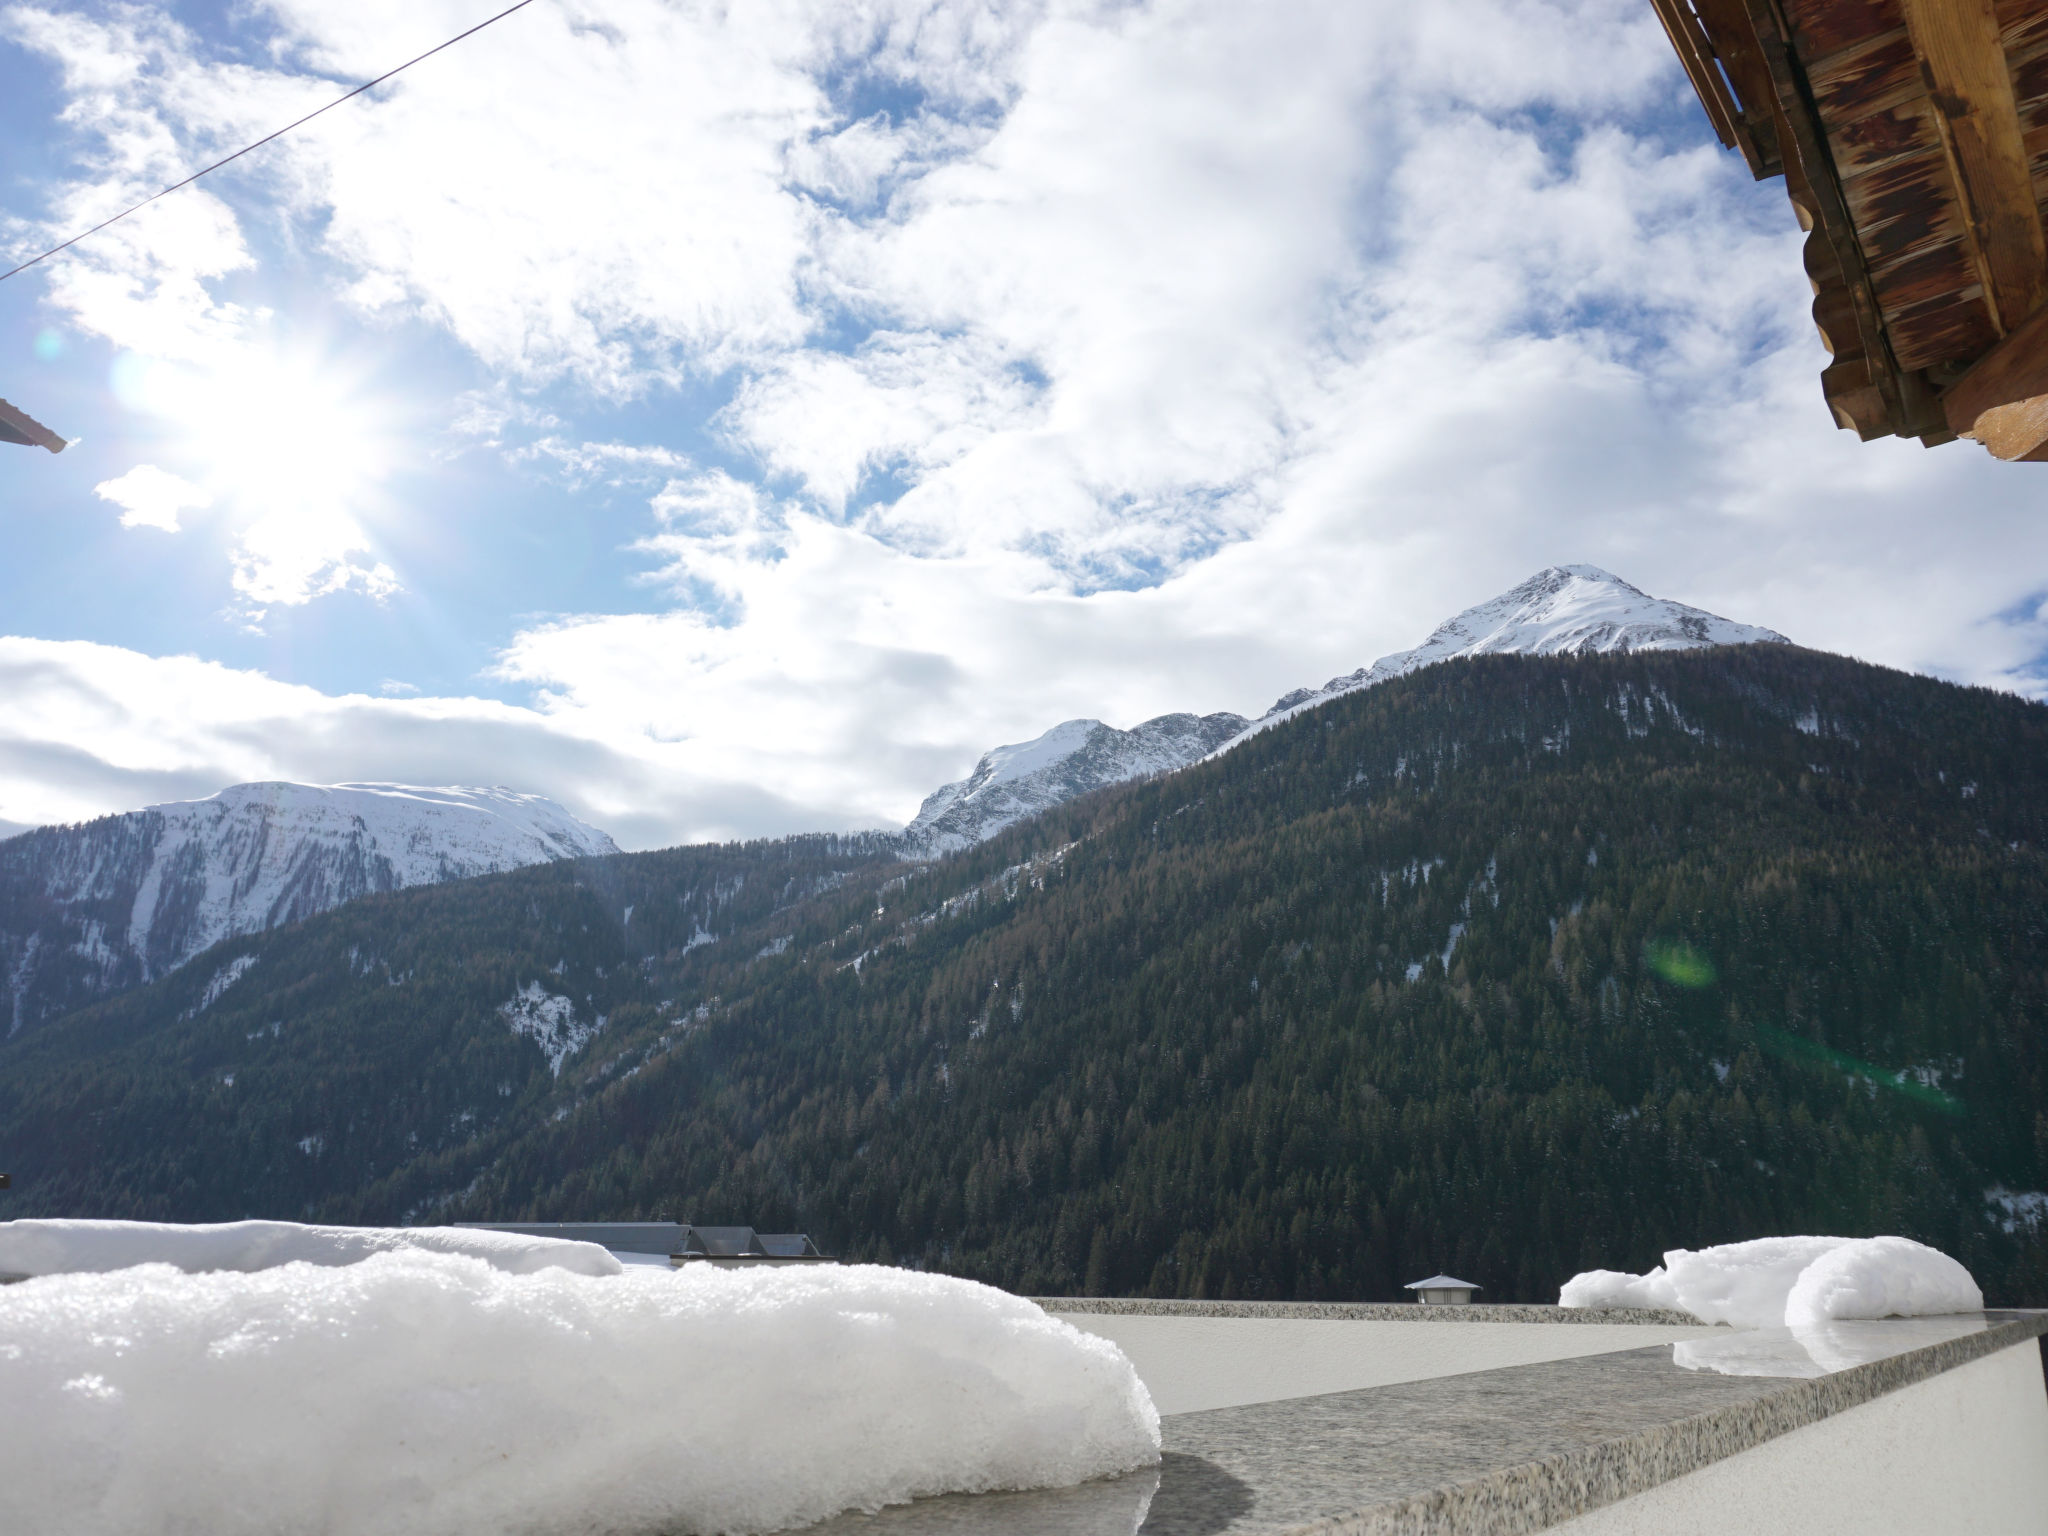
89	909
1074	757
1564	610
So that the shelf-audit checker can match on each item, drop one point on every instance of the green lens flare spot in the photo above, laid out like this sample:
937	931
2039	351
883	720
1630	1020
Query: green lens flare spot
1874	1078
1679	963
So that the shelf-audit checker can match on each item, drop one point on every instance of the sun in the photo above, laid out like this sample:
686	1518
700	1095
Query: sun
293	446
272	430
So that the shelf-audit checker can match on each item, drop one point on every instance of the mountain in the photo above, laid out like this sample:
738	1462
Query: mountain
90	909
1566	610
1510	967
1014	782
1563	610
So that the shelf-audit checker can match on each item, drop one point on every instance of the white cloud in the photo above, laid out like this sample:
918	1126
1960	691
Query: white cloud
152	498
93	728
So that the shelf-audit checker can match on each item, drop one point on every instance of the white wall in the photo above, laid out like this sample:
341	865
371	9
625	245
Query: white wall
1963	1452
1193	1363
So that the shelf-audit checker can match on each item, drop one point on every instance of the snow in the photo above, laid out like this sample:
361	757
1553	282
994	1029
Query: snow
1005	765
257	844
550	1019
1790	1281
181	877
1881	1277
220	981
70	1246
420	1393
1074	757
1566	610
2018	1208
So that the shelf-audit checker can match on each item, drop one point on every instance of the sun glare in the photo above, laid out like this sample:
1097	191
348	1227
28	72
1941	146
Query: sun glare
293	447
270	431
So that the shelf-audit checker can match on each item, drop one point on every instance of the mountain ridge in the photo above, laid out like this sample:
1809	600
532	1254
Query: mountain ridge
1564	610
93	907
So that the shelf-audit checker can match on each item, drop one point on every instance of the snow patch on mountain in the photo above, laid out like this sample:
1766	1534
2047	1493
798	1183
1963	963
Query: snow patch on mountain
90	909
1566	610
221	980
1013	782
549	1019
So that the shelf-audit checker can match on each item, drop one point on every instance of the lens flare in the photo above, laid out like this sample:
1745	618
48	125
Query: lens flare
1679	963
1812	1053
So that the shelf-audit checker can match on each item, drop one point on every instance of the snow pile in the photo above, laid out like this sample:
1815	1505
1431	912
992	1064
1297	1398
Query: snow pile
1790	1282
71	1247
418	1393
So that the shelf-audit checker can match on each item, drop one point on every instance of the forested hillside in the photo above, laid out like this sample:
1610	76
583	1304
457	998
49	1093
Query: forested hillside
1511	967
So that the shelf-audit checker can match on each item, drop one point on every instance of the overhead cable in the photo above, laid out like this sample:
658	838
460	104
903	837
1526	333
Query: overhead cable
280	133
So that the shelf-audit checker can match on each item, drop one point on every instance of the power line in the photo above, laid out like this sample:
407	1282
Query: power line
280	133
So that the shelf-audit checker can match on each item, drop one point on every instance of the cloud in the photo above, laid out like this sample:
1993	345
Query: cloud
93	728
152	498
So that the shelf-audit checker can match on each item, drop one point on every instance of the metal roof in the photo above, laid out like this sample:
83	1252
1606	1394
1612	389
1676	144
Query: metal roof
1441	1283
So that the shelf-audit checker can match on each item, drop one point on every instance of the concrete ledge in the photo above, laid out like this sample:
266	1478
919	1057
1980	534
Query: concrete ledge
1523	1449
1518	1501
1367	1311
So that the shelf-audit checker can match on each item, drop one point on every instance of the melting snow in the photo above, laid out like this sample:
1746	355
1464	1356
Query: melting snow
551	1020
431	1393
2022	1208
223	978
1790	1282
64	1246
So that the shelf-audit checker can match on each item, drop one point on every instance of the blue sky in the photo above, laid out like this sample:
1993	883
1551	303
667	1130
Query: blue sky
733	420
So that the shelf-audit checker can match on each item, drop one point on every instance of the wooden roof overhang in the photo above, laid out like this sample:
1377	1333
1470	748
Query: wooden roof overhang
18	426
1913	139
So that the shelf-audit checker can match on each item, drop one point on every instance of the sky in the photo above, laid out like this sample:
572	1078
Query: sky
733	420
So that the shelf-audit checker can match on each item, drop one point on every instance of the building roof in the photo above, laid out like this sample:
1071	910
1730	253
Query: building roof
17	426
1441	1283
1913	139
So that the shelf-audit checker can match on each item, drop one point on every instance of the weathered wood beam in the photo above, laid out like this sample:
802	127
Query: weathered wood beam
1696	57
1699	56
1970	85
2002	401
1732	41
1869	391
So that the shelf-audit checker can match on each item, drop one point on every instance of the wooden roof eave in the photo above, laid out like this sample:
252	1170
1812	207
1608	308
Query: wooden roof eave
17	426
1967	241
1864	386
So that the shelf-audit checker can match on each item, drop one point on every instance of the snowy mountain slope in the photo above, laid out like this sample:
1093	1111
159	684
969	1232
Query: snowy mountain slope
1013	782
1566	610
90	909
